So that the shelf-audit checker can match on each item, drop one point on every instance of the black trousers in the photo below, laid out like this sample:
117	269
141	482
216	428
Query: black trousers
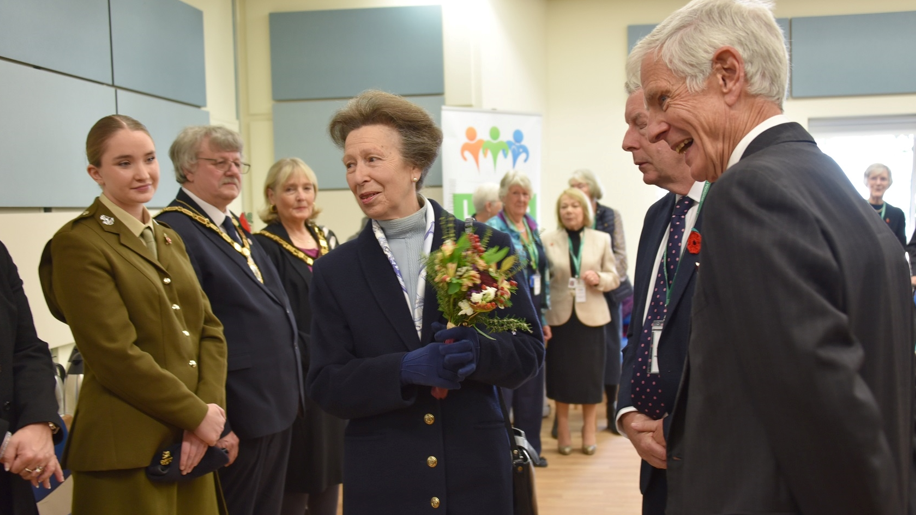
253	484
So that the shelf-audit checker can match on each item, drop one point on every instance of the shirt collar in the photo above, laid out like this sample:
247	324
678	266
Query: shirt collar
213	212
130	221
696	192
769	123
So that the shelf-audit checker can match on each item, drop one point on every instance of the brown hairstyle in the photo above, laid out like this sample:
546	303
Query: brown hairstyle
420	138
103	130
279	173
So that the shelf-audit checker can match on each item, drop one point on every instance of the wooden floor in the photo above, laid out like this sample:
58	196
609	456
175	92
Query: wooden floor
606	483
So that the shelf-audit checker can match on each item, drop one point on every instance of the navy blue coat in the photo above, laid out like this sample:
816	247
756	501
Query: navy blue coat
672	346
264	386
402	446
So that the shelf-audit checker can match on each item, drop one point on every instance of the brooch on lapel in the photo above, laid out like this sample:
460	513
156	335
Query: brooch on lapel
107	220
168	241
694	242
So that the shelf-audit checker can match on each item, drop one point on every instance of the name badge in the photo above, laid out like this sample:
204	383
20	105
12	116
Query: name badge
580	290
534	282
657	327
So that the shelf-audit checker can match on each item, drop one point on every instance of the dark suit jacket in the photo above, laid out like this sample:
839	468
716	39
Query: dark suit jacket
798	396
672	346
264	386
360	332
26	373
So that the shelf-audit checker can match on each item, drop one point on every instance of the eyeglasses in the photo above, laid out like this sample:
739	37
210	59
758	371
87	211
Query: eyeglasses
223	165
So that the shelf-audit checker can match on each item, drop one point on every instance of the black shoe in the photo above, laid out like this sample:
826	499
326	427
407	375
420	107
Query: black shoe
540	462
553	432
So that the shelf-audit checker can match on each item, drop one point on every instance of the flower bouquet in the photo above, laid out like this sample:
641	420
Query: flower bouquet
471	282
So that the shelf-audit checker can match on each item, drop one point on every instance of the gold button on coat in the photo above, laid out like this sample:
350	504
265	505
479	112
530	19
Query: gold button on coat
432	461
176	306
434	502
186	333
429	419
167	281
192	363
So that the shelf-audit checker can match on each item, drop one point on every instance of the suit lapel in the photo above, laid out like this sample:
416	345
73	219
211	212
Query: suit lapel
125	237
686	268
301	267
385	287
431	304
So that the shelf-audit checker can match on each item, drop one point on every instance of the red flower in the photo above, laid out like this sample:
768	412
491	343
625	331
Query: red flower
244	223
694	242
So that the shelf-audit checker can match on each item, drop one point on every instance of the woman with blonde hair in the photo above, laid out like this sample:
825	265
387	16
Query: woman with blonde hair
294	241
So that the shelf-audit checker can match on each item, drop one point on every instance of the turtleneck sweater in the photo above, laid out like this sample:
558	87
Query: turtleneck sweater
405	239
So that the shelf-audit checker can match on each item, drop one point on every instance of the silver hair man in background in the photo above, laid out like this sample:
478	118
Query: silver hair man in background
798	391
486	201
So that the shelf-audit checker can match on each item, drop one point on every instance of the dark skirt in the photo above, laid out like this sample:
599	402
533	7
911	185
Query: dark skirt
316	451
575	363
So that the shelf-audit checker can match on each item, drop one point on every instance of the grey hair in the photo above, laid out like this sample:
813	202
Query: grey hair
878	167
513	178
688	39
185	147
586	176
486	192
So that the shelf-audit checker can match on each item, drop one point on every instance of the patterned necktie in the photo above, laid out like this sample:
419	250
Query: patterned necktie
229	228
147	236
646	389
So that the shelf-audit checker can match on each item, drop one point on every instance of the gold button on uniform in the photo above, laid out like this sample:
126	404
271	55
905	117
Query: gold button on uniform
192	363
167	281
434	502
176	306
429	419
432	461
186	333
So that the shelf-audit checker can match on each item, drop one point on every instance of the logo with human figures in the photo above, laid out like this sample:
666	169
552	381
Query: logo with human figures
494	148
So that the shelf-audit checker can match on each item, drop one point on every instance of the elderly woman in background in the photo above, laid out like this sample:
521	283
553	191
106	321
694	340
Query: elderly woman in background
486	202
878	179
294	241
377	335
515	193
608	220
154	352
582	267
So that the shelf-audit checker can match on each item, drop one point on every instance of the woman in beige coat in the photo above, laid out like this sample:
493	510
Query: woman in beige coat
154	353
582	268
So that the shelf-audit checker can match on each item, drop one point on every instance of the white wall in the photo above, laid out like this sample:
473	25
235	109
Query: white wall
587	49
25	231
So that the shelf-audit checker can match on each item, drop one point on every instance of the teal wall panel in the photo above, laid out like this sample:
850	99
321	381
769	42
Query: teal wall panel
44	119
862	54
158	49
67	36
165	120
340	53
301	130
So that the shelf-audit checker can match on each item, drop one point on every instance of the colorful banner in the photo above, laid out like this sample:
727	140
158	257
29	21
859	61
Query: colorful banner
480	146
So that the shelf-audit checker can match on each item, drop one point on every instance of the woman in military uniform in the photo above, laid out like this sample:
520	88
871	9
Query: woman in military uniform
154	353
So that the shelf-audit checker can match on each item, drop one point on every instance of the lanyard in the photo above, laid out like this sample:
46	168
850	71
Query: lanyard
576	256
417	306
883	210
668	284
530	246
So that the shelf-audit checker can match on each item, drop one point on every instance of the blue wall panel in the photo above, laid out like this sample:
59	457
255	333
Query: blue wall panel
70	36
862	54
338	54
301	130
158	48
45	118
164	120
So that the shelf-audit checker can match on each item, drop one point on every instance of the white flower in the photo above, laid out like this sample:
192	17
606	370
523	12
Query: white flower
489	293
475	298
466	308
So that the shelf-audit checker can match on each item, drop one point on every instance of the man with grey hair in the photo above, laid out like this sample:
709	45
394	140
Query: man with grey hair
264	384
486	201
798	392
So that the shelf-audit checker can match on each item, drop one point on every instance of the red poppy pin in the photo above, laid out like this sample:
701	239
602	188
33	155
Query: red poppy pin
694	242
244	223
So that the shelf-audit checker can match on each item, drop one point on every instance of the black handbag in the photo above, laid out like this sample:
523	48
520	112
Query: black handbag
165	468
623	291
524	495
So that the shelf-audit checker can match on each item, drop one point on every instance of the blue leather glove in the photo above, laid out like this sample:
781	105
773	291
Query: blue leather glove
460	356
426	366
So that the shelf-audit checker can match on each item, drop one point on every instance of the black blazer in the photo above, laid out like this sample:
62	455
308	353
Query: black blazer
798	394
402	446
672	346
264	385
26	373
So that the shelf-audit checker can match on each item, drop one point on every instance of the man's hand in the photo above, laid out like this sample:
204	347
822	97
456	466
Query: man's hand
192	451
230	442
211	426
30	454
913	281
647	436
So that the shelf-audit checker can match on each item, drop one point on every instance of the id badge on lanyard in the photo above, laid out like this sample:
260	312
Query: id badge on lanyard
577	287
657	327
534	283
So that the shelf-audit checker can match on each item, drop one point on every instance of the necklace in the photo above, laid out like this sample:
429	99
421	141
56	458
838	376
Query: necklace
322	245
